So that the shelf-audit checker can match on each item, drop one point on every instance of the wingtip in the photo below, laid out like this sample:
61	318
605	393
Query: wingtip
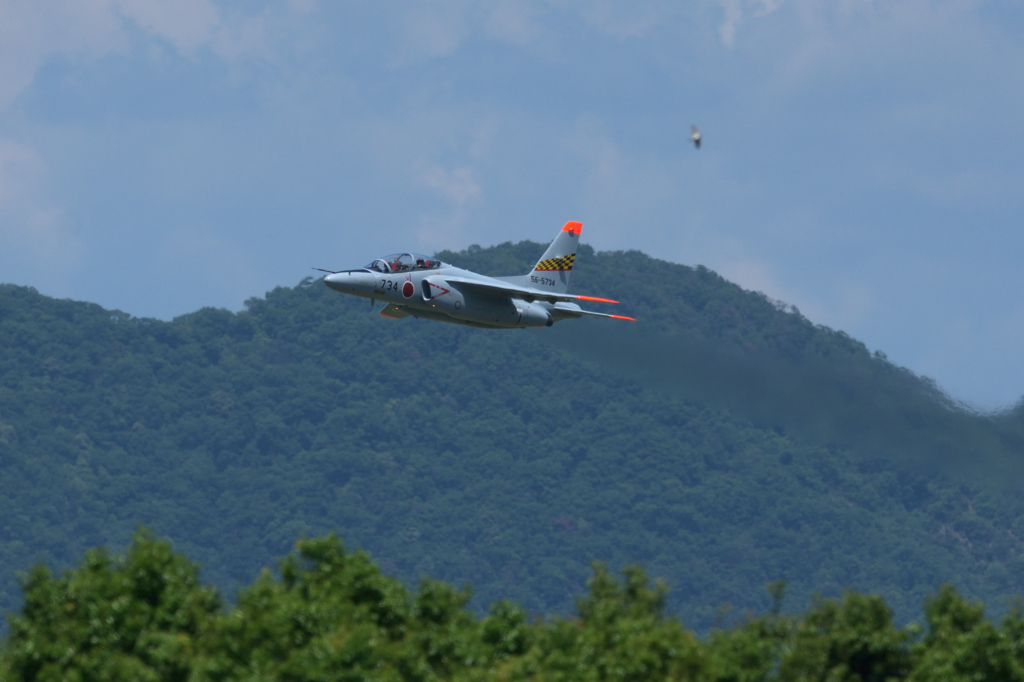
573	227
622	317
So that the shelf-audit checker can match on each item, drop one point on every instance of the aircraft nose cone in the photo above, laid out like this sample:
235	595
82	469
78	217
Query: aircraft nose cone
349	282
335	280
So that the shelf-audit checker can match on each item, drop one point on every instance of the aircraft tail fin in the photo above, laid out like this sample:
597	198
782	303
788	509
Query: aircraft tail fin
555	266
551	273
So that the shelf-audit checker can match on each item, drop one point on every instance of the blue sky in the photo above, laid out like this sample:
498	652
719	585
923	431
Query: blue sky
862	160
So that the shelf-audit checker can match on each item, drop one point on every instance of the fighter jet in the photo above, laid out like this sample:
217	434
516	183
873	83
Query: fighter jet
424	287
695	136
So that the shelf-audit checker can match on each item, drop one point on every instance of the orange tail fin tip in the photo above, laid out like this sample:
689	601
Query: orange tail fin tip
573	226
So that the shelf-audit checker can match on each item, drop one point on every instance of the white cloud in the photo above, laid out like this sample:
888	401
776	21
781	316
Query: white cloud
20	168
736	10
841	306
456	186
30	226
31	32
33	225
733	13
755	275
186	24
514	22
47	236
440	28
442	230
624	20
437	29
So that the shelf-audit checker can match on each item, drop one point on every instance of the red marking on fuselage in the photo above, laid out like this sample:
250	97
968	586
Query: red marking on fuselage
438	286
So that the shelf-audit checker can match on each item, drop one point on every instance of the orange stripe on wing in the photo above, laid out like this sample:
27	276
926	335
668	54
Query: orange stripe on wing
595	298
622	317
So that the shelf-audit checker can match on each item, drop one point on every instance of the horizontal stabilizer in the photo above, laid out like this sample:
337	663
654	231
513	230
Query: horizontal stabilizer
572	311
614	317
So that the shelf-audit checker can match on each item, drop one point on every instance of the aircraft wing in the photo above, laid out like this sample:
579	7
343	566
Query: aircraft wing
395	311
525	293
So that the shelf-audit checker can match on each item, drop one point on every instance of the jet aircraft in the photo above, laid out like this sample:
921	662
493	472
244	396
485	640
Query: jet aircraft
424	287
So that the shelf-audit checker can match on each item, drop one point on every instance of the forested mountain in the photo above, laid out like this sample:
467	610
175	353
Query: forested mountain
723	442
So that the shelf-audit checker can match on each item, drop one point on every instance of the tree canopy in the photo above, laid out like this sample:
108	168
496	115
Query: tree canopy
328	614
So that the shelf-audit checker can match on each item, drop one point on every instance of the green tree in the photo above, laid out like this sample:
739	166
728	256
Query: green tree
332	615
961	646
134	617
851	640
622	633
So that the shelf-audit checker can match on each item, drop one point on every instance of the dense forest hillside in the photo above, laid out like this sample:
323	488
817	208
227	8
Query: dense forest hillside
723	441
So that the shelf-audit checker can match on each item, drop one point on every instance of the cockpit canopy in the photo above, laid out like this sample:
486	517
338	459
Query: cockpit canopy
404	262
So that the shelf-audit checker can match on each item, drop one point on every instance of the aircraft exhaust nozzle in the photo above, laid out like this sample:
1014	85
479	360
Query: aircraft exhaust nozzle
533	315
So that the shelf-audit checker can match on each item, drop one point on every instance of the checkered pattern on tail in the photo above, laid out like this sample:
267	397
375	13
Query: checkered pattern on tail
560	263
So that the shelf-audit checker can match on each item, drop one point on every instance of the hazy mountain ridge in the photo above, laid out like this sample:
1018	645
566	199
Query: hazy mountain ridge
508	459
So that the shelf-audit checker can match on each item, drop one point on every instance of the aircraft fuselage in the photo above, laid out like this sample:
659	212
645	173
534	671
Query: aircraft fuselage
430	295
422	286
